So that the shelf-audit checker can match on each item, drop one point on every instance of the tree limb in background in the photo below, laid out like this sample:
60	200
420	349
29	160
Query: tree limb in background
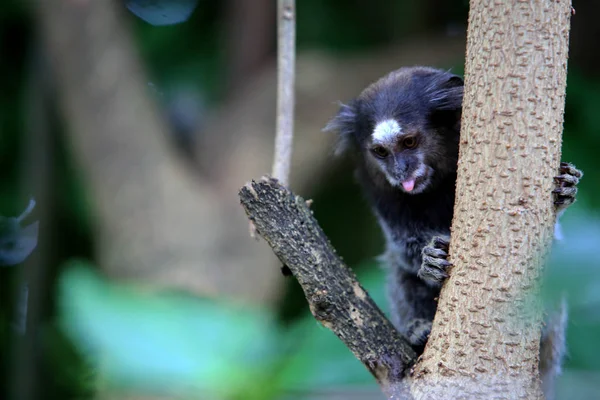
156	222
335	297
249	41
286	59
486	333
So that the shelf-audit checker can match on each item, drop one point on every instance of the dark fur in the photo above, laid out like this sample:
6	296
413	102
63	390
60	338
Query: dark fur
427	103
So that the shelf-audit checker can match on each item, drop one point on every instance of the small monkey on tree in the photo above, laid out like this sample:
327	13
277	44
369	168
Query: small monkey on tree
403	133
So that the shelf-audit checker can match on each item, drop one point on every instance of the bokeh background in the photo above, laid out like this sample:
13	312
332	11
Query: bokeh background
133	124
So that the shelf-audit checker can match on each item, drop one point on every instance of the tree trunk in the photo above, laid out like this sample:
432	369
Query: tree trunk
485	336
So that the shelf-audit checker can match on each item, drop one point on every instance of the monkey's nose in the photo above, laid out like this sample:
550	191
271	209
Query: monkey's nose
401	166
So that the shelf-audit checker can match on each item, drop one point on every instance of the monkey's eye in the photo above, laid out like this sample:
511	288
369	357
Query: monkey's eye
380	151
409	142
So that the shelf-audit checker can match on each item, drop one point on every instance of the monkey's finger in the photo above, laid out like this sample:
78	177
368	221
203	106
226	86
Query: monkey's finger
440	242
564	201
433	252
568	168
437	263
566	191
566	179
433	273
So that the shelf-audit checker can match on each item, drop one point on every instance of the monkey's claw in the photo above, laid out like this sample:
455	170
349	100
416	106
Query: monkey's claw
435	260
566	185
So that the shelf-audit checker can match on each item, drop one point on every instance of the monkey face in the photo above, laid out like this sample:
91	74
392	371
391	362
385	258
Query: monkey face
404	127
398	154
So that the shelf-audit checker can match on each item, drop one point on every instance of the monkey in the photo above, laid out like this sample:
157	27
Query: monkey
402	132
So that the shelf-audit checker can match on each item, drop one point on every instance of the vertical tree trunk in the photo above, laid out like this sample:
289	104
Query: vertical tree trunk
485	337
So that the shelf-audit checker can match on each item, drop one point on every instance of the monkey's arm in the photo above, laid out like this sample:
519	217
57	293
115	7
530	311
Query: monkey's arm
553	343
435	255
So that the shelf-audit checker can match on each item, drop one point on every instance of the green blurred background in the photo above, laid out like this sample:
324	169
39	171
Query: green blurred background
235	328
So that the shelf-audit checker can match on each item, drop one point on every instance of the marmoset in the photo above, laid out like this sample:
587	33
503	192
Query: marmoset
403	133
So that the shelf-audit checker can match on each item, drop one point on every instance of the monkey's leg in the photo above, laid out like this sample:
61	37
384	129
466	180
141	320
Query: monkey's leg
435	261
412	306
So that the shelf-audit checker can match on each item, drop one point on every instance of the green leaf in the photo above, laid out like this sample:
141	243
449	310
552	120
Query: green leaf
166	342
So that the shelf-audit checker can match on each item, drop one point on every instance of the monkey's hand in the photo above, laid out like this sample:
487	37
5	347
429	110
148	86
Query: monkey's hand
435	260
566	185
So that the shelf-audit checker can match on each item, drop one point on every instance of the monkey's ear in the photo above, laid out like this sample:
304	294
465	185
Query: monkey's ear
448	93
344	124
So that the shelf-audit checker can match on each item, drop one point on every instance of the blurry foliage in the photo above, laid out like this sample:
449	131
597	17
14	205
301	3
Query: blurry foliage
573	273
157	342
102	334
171	343
581	138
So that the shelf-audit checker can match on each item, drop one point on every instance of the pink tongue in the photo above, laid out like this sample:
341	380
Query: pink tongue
408	185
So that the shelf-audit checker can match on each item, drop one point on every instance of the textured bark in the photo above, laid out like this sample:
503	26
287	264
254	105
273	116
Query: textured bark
335	297
485	337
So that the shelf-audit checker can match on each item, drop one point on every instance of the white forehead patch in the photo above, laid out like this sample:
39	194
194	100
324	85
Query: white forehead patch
386	131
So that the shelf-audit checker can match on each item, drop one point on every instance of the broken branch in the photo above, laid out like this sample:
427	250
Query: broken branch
335	297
